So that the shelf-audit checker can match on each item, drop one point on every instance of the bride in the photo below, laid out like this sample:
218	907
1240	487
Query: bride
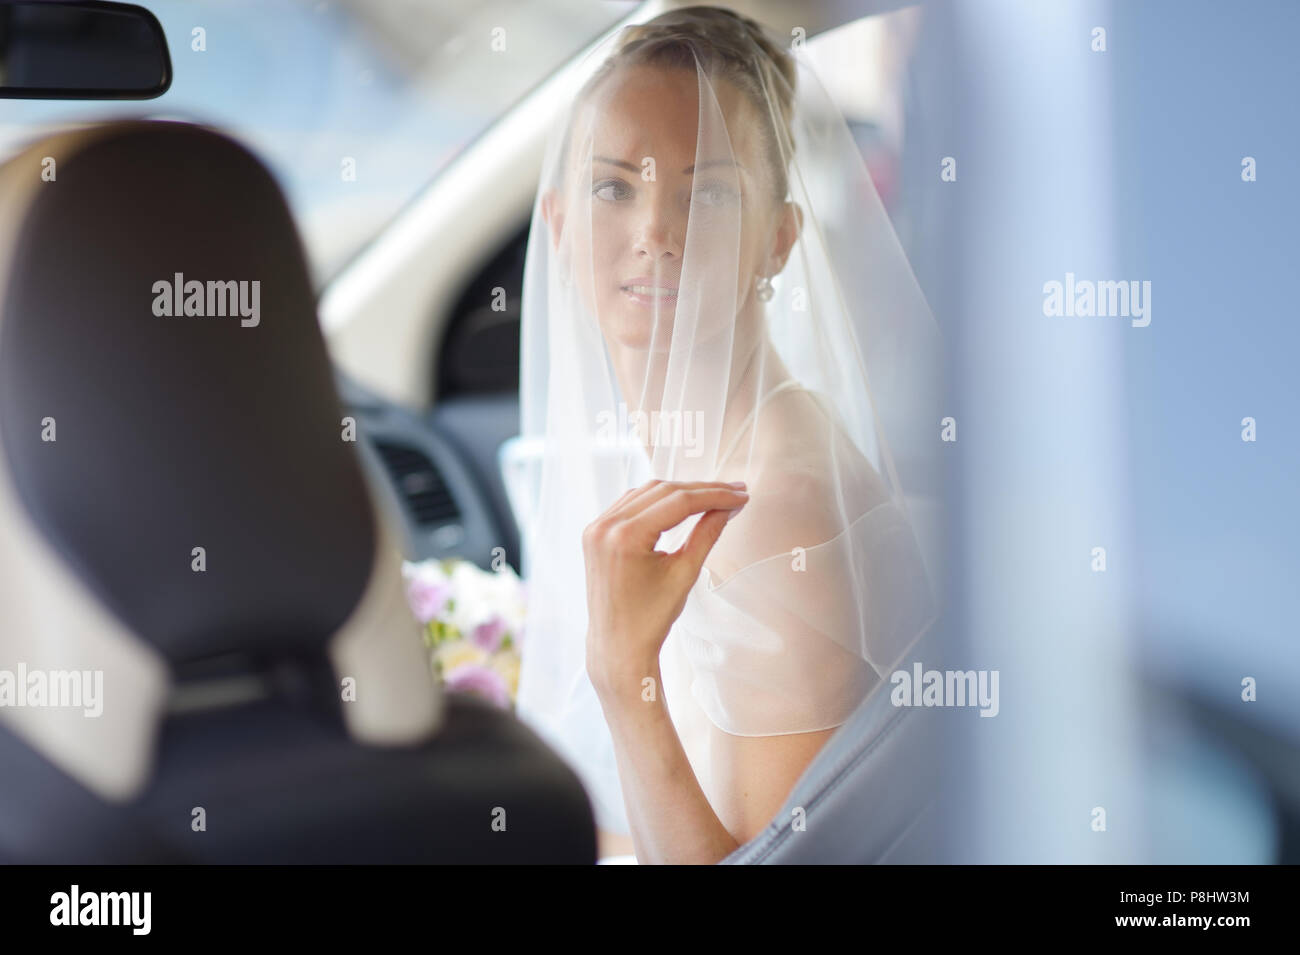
708	603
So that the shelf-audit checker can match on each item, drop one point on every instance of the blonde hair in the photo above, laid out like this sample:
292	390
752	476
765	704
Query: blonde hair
725	43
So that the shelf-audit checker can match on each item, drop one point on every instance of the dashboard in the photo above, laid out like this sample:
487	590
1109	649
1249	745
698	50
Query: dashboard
436	475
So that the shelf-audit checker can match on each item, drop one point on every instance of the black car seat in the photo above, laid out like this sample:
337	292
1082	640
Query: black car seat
181	514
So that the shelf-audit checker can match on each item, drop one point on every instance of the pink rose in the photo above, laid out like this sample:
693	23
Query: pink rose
428	598
481	680
488	635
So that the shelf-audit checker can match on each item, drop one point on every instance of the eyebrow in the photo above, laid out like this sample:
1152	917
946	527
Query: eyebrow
633	167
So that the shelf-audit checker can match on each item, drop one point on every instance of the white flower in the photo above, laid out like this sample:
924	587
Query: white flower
424	571
508	596
477	596
472	597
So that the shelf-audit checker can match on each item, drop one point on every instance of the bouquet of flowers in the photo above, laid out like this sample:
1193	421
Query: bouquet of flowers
473	623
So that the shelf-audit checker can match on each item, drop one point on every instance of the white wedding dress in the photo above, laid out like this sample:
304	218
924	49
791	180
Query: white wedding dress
723	665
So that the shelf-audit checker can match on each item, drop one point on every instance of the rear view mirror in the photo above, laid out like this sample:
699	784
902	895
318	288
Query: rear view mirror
81	51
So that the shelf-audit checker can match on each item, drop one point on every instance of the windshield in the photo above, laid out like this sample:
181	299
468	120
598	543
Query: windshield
354	104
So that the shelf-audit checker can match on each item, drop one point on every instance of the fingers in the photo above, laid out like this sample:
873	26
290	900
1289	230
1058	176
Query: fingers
637	500
703	537
624	498
642	514
616	515
679	503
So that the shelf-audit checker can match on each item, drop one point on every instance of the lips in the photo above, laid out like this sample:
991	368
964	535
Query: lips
649	291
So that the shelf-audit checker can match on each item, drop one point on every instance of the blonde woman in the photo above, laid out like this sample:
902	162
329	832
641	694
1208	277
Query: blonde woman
721	565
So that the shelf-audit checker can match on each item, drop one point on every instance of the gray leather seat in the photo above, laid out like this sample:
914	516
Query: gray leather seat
225	670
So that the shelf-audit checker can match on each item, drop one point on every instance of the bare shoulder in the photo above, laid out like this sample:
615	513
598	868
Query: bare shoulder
807	482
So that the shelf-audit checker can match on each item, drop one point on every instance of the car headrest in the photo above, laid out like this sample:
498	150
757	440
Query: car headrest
177	482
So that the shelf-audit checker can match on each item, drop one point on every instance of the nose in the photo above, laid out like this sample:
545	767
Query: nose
661	230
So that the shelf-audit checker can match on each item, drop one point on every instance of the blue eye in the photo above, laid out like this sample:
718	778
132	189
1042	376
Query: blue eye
621	188
716	194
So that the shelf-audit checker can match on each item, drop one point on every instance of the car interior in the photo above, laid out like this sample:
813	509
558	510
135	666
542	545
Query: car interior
405	341
411	330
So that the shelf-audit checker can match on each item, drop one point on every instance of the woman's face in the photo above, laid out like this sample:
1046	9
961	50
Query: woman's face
627	232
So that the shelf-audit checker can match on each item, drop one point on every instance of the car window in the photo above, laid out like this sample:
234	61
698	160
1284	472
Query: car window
354	104
864	67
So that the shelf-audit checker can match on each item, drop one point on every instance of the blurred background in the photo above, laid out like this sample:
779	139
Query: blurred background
400	86
1109	141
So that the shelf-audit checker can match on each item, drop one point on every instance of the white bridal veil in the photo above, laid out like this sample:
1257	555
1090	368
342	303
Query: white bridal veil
714	291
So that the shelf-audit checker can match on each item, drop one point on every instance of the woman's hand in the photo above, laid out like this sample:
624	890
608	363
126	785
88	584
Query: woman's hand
634	592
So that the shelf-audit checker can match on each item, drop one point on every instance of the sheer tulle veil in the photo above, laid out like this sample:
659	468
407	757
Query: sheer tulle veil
714	291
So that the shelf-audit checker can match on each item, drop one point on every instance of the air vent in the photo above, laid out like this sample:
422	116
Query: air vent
419	483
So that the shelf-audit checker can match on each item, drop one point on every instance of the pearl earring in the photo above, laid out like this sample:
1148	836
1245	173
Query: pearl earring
764	288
